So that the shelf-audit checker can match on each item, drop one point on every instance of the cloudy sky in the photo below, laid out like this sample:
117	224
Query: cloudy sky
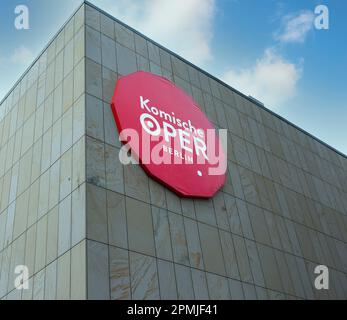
268	49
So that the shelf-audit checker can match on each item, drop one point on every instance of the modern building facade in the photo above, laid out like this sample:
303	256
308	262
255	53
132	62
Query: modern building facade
88	227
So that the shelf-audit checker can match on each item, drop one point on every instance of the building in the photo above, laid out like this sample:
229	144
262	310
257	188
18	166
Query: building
88	227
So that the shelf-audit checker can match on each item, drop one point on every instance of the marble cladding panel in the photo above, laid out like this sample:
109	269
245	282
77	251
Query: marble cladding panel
119	274
144	277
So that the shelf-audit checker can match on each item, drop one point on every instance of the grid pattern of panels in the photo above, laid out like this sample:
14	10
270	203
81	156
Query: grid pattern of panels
42	173
88	227
282	211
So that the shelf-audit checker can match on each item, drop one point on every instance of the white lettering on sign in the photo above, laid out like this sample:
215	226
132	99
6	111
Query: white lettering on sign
191	139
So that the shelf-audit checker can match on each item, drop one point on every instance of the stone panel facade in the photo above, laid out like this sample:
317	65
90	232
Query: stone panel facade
88	227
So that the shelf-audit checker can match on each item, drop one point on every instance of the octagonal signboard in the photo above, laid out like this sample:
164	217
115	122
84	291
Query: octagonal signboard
169	135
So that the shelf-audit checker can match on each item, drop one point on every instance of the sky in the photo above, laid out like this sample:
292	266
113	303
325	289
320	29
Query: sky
269	49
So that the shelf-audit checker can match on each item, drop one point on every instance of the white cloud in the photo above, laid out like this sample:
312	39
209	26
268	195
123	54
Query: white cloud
295	27
184	26
22	55
272	79
12	64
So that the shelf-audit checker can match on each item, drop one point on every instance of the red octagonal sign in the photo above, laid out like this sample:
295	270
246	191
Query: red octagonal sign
169	135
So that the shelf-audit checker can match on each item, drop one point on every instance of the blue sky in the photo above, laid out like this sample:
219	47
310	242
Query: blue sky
269	49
